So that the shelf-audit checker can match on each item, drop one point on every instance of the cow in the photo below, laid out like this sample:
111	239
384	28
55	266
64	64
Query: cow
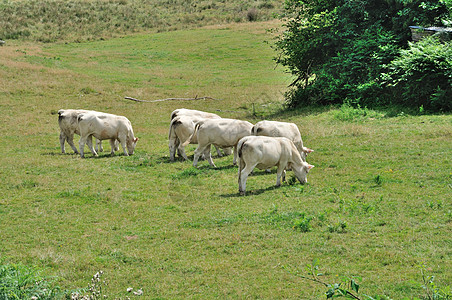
282	129
106	127
218	132
265	152
182	126
193	113
67	119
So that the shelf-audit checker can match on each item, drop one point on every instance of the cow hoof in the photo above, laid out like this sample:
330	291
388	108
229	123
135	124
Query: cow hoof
242	193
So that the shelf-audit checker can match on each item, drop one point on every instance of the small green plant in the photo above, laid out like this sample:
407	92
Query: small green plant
432	291
378	180
348	287
340	227
18	281
349	112
303	224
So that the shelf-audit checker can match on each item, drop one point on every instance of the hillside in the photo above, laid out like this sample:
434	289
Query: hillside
75	20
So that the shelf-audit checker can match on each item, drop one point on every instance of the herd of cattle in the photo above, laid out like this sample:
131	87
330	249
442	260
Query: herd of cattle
263	145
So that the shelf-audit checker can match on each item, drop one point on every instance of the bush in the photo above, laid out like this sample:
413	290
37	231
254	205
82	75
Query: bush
338	49
422	76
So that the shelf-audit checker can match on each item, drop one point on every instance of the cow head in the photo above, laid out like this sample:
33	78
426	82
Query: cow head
131	144
301	171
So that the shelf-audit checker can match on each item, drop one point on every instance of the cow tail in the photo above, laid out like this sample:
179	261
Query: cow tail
197	126
174	123
60	115
240	147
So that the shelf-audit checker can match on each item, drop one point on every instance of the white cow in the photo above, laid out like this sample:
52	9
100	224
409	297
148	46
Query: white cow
182	127
193	113
265	152
218	132
106	127
282	129
67	119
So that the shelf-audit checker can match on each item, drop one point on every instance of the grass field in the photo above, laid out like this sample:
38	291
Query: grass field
377	204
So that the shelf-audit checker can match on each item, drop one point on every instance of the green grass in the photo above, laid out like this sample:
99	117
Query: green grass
61	20
377	204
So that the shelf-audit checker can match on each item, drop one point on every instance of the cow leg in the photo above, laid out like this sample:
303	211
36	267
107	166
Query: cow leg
70	141
234	161
82	142
113	146
218	151
199	150
241	166
62	141
172	149
89	142
99	147
178	146
181	151
122	140
280	172
208	156
243	175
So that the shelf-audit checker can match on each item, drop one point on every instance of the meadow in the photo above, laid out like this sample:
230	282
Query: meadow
377	204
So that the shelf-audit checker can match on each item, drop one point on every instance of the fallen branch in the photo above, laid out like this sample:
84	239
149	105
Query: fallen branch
171	99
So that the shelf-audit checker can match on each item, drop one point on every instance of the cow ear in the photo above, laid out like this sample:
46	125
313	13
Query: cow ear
309	166
307	150
136	140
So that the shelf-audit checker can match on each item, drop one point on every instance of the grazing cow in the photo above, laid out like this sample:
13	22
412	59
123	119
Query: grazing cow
219	132
265	152
106	127
67	119
182	127
193	113
282	129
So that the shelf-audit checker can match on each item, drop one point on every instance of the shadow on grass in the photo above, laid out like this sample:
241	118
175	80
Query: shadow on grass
389	111
250	192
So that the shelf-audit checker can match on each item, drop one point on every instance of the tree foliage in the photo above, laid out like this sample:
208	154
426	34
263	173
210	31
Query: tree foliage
338	49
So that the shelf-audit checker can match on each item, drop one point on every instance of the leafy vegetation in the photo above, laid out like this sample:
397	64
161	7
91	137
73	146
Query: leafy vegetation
338	50
18	281
422	76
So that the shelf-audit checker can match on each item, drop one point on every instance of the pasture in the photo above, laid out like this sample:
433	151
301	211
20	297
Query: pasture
377	204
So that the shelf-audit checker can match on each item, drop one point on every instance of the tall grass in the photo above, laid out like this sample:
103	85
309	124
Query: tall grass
75	20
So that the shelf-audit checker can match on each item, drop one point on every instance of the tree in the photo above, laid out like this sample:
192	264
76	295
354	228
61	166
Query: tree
338	49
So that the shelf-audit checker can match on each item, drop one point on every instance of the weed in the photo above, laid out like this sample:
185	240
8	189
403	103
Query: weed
347	112
340	227
432	291
303	224
378	180
18	281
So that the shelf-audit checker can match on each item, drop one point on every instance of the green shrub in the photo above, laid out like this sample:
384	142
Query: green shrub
303	224
338	49
422	76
